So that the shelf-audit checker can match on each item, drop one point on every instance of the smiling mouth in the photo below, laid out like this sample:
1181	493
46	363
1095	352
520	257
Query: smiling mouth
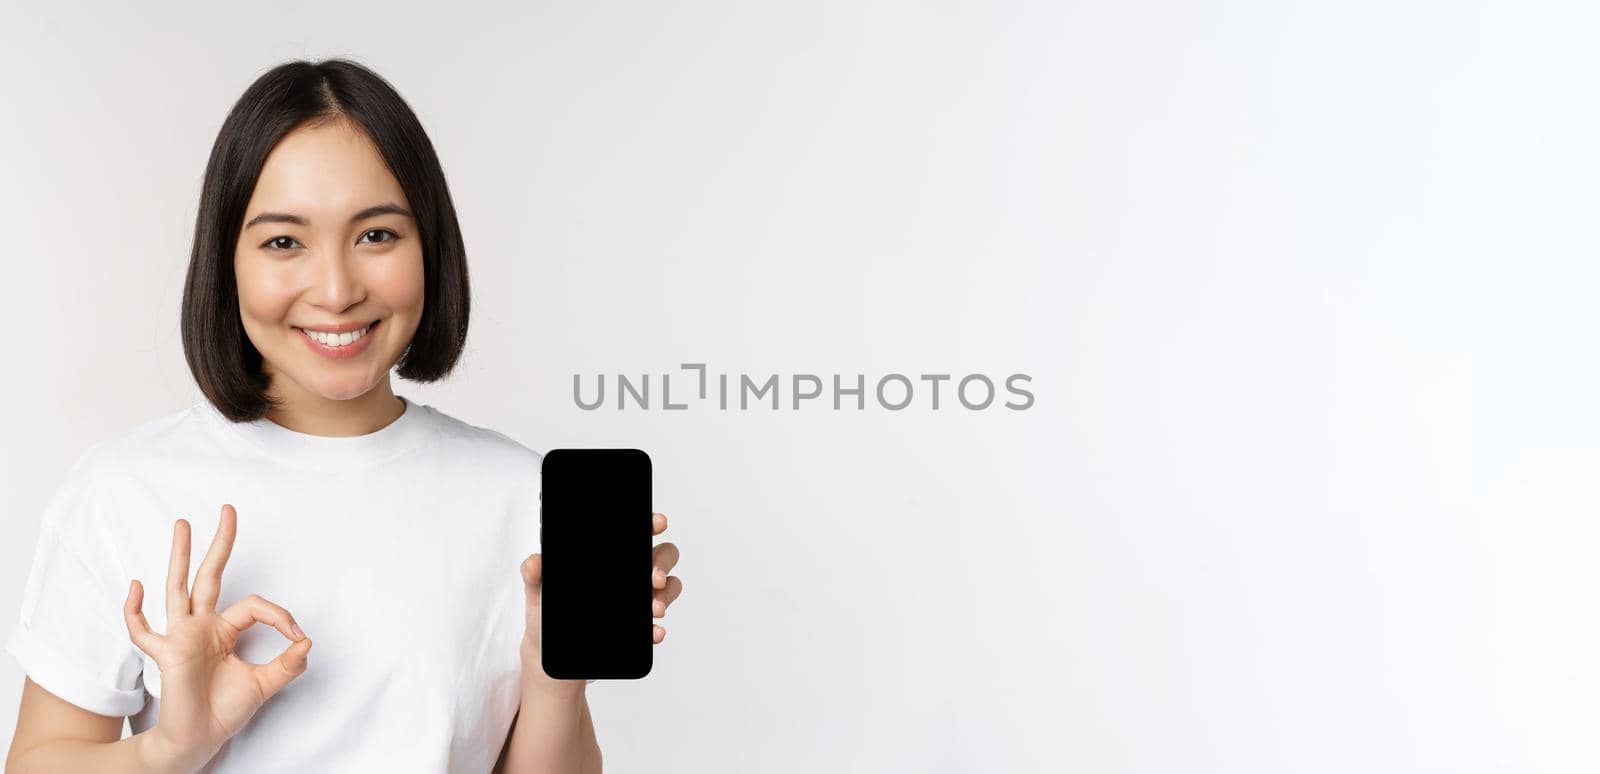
339	340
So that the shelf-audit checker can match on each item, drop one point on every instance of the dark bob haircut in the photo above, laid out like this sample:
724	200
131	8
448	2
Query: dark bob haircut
224	362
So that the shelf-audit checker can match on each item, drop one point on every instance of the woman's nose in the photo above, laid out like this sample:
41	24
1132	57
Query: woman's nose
334	284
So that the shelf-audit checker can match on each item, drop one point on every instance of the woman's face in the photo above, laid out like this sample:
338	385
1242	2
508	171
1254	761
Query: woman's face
328	243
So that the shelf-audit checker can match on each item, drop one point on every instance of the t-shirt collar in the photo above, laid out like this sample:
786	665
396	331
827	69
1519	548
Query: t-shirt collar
321	452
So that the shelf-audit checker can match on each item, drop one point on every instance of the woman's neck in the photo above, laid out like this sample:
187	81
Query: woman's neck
306	412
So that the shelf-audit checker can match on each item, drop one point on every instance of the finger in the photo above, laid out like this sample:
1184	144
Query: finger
659	633
532	572
247	611
139	630
664	597
658	523
291	663
208	582
178	571
666	557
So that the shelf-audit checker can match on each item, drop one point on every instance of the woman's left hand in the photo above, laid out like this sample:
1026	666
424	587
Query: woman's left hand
667	588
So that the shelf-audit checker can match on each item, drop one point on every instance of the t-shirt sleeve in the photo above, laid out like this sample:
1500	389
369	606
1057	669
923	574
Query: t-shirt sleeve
71	638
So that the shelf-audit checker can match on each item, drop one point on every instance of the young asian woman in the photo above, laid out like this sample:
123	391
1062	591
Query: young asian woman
326	255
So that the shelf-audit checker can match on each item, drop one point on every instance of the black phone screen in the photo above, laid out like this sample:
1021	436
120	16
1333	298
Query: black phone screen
596	544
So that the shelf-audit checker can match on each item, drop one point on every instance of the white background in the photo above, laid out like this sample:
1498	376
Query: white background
1305	291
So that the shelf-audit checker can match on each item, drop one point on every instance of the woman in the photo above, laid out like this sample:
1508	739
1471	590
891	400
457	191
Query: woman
326	253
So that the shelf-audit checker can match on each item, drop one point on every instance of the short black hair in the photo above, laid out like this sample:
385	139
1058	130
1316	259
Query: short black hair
225	364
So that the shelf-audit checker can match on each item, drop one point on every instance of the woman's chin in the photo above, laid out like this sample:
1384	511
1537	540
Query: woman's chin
339	389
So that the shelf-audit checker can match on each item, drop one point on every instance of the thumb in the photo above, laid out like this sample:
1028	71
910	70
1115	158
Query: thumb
532	571
289	664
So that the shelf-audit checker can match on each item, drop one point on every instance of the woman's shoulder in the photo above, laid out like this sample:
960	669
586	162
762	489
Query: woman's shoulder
484	442
154	436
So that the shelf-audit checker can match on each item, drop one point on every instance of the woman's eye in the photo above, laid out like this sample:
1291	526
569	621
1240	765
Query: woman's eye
392	236
280	243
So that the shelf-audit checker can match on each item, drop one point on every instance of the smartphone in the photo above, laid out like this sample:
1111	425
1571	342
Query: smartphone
596	541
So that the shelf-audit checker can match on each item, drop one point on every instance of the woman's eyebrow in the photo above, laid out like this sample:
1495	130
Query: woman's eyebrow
387	208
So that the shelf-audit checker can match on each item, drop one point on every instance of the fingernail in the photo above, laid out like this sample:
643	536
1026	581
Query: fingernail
296	628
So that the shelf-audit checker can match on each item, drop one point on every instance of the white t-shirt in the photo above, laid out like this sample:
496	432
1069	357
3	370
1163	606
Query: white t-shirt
397	552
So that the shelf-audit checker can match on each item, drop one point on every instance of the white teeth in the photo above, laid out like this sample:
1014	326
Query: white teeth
335	339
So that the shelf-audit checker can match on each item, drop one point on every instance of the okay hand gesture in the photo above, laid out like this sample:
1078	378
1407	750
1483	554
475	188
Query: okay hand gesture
208	692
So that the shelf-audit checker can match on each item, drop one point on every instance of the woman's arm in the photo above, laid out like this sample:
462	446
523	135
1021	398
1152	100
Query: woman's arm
551	734
54	735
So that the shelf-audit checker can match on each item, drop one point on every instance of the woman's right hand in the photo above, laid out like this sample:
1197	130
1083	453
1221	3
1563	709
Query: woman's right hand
207	692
